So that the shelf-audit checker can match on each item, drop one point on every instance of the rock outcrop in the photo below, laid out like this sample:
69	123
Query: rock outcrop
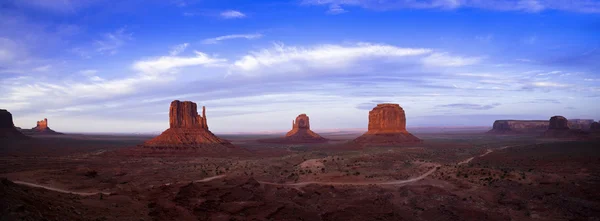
387	126
595	127
300	133
582	124
519	126
559	128
558	123
7	127
187	130
41	128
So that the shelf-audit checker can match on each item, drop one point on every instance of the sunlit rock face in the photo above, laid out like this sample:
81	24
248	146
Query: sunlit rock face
387	126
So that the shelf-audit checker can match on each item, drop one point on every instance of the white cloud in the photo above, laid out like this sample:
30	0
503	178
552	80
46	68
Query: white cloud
111	42
165	64
550	84
336	9
89	72
229	37
178	49
230	14
283	58
44	68
446	60
532	6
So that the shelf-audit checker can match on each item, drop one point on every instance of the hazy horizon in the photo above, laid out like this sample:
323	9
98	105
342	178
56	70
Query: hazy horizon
106	66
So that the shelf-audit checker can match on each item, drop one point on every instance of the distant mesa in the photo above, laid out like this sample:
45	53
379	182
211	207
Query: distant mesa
519	126
534	126
387	126
7	127
559	128
300	133
187	130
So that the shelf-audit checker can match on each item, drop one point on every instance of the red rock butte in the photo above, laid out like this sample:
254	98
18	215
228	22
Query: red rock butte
559	128
301	131
187	129
7	127
42	127
387	126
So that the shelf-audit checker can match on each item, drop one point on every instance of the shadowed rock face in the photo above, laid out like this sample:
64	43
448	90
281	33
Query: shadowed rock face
6	120
559	128
7	127
187	129
387	126
595	127
519	126
558	123
300	133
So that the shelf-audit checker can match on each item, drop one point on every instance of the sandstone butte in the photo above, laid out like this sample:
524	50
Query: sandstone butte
187	129
42	127
7	127
300	133
559	128
387	126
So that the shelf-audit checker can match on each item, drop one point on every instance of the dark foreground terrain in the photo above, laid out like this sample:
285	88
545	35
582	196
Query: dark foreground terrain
450	176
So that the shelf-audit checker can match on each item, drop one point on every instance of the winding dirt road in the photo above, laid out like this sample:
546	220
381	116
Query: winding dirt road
395	182
59	190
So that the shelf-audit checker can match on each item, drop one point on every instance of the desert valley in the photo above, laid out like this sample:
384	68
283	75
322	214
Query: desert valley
400	110
518	170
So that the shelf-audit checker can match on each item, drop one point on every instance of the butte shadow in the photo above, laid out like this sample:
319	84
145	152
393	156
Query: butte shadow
8	131
189	131
387	127
300	133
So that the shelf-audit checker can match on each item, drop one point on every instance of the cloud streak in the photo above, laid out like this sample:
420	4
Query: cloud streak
232	14
531	6
216	40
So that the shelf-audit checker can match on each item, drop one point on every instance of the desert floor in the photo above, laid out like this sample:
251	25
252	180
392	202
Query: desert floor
450	176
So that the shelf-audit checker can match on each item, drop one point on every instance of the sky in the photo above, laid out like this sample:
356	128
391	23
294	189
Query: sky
115	66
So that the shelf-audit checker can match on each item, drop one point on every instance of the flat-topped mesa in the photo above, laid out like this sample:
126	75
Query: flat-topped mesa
519	126
583	124
187	129
387	126
7	127
387	118
185	115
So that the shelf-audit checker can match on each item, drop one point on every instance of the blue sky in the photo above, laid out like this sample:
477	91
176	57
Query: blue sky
114	66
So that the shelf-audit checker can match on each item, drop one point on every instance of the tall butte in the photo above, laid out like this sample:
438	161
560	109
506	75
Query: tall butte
187	129
387	126
300	133
7	127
